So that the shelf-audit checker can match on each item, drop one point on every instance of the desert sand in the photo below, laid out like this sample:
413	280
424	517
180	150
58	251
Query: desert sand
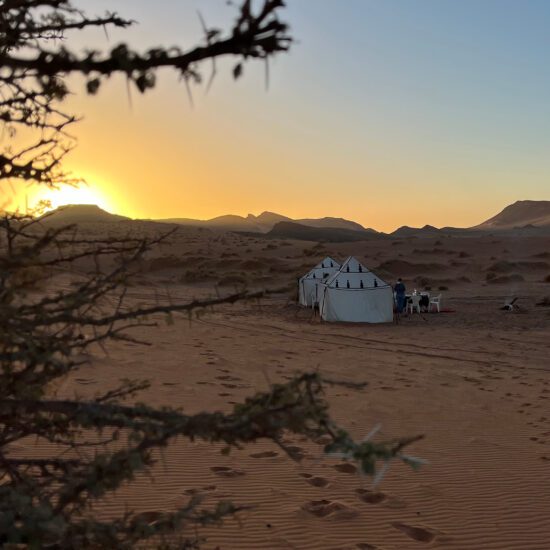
474	380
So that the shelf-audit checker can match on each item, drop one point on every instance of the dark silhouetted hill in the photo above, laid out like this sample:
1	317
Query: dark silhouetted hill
80	213
293	230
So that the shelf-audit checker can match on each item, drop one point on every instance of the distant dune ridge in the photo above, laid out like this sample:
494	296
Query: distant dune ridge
527	216
520	214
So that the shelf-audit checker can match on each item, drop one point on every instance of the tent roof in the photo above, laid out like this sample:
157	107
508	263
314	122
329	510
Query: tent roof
354	275
327	262
323	269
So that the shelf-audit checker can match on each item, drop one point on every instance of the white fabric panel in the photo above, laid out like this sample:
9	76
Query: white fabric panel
308	288
358	306
301	292
321	293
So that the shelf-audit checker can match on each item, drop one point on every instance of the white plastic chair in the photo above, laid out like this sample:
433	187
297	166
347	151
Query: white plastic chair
435	301
414	303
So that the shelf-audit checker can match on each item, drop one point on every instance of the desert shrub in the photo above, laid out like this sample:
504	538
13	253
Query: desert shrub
233	280
490	275
463	254
502	267
506	279
195	276
443	287
254	264
547	279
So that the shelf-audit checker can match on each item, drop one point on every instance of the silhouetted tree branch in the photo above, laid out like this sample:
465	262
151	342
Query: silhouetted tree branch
34	64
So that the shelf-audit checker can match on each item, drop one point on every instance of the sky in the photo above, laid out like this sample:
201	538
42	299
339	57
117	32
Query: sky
401	112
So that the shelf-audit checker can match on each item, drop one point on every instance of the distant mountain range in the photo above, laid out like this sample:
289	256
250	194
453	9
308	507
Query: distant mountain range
527	217
265	222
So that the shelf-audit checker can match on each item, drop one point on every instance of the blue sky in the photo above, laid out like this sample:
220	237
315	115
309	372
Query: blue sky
388	112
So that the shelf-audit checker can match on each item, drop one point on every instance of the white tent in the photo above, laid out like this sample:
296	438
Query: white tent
355	294
307	285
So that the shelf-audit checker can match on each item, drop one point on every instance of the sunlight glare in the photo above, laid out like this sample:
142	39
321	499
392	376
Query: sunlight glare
84	194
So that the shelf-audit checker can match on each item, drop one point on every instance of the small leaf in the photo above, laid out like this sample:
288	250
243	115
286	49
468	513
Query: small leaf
237	70
93	85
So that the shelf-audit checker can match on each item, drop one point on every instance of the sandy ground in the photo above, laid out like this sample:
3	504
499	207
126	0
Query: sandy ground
475	381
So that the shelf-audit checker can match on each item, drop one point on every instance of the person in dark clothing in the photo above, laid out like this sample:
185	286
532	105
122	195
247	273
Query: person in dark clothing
400	299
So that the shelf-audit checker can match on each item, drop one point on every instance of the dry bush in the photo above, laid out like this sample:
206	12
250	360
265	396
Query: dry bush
234	279
506	279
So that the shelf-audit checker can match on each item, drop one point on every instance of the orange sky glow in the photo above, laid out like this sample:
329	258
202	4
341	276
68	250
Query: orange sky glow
361	136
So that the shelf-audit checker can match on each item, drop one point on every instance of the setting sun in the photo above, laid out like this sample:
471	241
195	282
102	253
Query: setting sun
66	194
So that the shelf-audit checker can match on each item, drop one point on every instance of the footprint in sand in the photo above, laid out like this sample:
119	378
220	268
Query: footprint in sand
346	468
316	481
370	497
323	440
366	546
265	454
193	492
295	452
228	378
325	508
85	381
224	394
225	471
416	533
394	504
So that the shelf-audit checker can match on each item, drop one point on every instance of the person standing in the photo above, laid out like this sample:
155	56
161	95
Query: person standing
400	298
